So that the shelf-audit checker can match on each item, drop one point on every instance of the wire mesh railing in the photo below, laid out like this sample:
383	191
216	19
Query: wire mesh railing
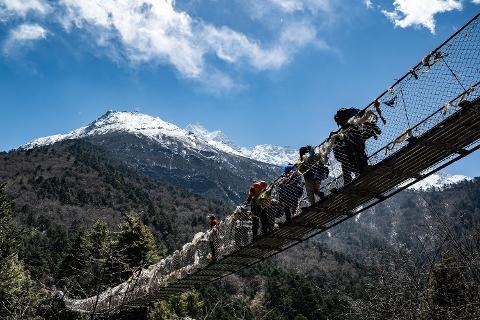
432	91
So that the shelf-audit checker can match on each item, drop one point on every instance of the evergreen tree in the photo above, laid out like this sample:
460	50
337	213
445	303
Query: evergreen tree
187	304
135	243
98	258
87	266
18	295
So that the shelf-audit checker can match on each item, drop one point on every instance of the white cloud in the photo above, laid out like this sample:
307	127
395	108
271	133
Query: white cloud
22	7
259	10
476	1
291	6
147	31
420	12
368	3
23	35
288	5
155	31
28	32
233	47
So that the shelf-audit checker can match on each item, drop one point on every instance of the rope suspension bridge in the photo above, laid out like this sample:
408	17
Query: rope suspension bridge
430	118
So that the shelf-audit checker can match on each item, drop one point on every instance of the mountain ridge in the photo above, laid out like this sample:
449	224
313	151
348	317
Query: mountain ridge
155	128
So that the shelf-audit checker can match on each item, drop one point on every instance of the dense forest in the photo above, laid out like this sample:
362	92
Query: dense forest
73	220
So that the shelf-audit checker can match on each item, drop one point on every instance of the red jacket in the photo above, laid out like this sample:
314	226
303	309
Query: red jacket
212	223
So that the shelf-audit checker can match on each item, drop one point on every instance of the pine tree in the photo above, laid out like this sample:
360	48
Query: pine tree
86	268
18	295
135	243
99	258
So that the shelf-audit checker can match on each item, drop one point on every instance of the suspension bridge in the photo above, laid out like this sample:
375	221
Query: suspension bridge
430	118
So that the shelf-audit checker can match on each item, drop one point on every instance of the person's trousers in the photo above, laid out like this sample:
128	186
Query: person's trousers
213	250
313	188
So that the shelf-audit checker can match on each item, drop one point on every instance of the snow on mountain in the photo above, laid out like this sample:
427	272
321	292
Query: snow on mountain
200	131
193	136
438	181
141	125
265	152
270	154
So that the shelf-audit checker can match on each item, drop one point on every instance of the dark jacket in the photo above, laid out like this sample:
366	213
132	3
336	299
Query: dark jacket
290	187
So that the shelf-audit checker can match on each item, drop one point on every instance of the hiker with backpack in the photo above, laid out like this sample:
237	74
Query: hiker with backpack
259	198
349	150
290	190
313	172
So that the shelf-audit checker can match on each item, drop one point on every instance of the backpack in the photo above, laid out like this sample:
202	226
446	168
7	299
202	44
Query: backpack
344	114
304	150
371	129
264	199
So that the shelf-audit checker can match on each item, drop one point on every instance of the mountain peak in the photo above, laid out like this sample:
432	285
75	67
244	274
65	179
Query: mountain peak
114	122
194	136
198	130
145	126
132	122
438	181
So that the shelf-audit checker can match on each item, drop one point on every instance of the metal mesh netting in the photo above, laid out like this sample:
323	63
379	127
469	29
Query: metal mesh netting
439	86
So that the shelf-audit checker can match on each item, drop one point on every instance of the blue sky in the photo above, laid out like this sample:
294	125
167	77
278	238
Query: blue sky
270	71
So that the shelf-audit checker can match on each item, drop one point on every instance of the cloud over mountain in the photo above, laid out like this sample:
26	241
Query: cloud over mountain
158	32
214	49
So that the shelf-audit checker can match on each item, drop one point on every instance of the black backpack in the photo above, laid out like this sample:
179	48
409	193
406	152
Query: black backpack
303	151
344	114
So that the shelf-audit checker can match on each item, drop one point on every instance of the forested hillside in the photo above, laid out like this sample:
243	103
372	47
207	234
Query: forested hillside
74	219
74	183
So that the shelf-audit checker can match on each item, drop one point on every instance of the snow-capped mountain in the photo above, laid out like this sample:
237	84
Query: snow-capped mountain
194	136
193	158
142	125
438	181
